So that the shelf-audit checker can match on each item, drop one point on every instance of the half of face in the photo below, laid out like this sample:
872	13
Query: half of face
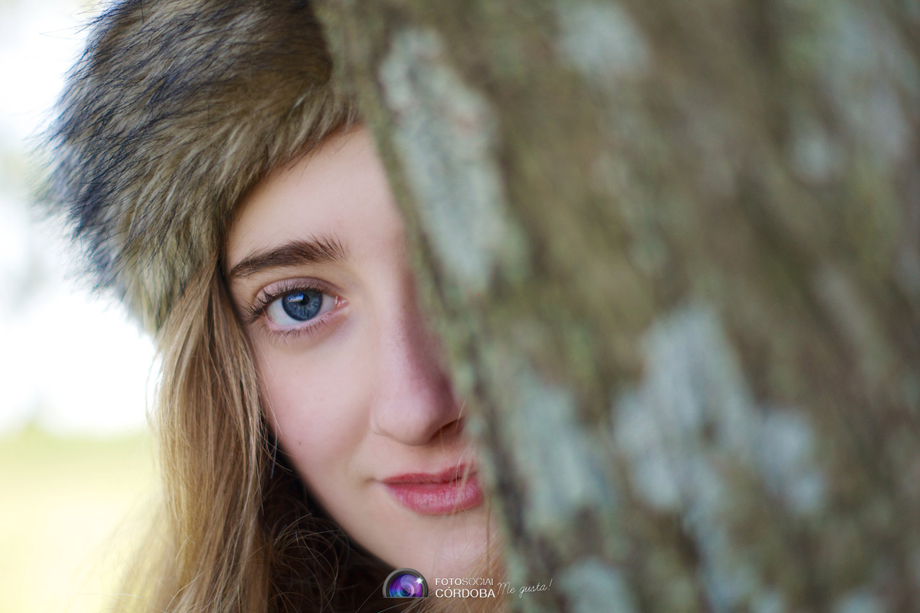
318	270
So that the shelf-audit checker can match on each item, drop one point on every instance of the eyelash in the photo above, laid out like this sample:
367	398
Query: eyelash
259	309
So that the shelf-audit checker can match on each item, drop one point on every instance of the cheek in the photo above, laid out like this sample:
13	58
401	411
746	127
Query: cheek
316	405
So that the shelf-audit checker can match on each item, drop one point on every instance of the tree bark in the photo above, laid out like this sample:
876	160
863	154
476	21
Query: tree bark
673	250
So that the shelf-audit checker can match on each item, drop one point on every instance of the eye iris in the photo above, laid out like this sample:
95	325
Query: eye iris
302	305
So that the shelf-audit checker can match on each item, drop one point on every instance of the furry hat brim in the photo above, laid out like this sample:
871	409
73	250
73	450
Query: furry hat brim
174	111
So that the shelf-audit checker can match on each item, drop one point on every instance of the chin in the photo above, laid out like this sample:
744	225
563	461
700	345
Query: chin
454	546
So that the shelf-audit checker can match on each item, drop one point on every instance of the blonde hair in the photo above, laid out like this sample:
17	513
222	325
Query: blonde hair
236	531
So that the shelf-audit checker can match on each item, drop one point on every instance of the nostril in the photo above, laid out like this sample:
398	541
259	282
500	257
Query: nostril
453	428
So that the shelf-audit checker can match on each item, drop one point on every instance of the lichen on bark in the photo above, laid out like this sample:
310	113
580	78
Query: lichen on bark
681	241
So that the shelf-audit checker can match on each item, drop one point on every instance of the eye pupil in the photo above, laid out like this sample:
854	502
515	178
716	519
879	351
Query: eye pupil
302	305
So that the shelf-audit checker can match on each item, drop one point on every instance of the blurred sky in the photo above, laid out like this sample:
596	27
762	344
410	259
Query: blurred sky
70	361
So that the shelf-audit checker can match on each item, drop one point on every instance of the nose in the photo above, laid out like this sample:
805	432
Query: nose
415	404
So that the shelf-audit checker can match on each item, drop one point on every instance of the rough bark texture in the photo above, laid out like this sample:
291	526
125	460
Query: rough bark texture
674	249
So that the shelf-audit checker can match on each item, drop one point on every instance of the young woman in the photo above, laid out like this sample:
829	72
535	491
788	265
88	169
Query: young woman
225	189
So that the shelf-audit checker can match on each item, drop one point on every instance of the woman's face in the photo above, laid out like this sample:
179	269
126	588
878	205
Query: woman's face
318	269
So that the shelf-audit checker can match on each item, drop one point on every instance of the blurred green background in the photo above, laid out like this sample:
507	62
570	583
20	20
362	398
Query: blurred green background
71	513
77	476
70	359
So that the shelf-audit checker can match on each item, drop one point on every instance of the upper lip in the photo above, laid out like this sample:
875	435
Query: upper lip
453	473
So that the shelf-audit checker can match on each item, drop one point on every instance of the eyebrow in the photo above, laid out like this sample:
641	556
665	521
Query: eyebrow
318	251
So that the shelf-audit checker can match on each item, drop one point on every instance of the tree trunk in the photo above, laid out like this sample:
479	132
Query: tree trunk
673	249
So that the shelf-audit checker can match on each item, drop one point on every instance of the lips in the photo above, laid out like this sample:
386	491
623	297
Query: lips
450	491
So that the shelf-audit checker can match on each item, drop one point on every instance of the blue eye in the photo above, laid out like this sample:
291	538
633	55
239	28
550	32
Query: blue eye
299	306
302	306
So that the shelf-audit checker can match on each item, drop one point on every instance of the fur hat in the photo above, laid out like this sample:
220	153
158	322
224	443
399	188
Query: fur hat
174	111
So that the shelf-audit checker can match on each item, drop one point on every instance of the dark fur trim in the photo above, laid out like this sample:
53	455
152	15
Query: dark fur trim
176	108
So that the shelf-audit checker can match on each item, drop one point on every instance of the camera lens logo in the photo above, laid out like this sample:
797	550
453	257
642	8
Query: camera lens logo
405	583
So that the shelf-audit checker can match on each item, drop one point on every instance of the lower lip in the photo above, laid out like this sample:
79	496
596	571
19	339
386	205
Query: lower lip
438	498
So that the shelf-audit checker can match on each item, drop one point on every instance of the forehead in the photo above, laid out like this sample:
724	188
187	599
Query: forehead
339	190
